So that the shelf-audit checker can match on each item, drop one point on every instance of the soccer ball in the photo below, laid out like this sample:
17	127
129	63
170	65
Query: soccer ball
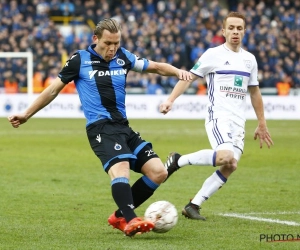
163	214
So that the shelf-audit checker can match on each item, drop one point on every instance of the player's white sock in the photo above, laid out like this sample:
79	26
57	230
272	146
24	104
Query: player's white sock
205	157
211	185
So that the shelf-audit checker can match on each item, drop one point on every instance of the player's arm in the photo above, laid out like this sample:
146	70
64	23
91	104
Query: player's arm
166	69
47	96
67	74
261	131
180	87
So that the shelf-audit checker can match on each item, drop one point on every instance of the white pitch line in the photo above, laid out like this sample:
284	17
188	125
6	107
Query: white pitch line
241	216
275	213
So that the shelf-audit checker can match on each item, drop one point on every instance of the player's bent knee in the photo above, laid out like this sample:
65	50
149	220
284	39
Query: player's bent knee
224	158
233	167
160	176
230	167
227	170
155	170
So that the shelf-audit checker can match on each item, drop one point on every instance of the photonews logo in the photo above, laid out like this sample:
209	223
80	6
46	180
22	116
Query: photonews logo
279	237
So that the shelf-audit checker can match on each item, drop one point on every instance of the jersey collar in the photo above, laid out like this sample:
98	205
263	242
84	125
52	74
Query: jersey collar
240	50
91	50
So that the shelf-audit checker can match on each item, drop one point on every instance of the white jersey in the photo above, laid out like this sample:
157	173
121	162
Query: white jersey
228	75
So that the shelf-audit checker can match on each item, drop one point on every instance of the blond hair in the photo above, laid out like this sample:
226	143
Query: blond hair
107	24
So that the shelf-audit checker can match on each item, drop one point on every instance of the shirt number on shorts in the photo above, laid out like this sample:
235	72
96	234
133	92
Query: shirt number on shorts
149	152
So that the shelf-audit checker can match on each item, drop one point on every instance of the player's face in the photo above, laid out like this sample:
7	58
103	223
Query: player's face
234	31
107	45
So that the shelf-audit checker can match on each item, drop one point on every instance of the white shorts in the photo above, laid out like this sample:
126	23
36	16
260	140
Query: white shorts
225	134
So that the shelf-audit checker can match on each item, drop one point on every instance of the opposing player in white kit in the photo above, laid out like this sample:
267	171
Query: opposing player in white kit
230	72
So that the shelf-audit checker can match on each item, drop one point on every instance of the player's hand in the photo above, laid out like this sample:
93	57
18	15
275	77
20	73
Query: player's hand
264	136
165	107
184	75
17	120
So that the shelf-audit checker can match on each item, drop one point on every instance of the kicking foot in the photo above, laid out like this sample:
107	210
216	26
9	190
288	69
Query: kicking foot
117	222
138	226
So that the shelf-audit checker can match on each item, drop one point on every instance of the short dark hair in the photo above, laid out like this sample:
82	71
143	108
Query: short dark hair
234	14
109	24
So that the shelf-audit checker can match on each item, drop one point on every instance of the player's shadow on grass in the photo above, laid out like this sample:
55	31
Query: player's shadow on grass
146	236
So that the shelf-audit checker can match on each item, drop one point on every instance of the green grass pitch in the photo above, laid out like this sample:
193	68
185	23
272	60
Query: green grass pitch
54	193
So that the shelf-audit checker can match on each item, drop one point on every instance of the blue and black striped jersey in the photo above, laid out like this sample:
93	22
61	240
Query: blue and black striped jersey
100	84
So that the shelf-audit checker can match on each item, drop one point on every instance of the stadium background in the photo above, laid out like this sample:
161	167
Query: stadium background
173	31
54	194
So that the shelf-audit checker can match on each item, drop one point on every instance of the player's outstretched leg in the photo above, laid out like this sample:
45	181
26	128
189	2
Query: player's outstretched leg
171	164
138	226
117	222
192	211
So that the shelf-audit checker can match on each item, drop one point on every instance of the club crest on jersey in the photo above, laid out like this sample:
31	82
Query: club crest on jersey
120	62
248	64
117	146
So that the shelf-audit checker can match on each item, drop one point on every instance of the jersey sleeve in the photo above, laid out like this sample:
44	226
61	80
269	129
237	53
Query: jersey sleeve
204	65
71	69
138	64
253	81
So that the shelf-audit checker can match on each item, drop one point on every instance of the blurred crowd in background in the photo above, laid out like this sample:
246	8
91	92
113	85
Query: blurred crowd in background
172	31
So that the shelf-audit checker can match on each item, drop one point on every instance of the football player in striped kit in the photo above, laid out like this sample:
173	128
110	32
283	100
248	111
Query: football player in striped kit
100	75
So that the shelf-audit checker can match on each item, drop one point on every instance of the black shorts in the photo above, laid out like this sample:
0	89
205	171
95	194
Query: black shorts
114	142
